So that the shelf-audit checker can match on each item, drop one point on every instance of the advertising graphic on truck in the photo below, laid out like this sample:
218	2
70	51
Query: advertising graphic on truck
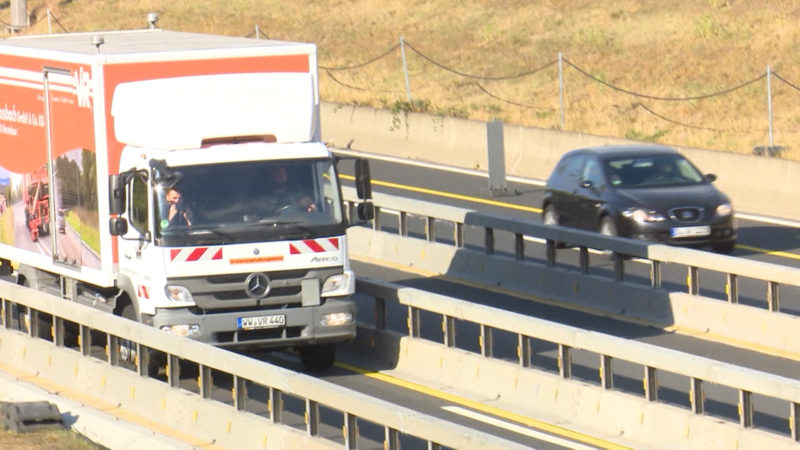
177	179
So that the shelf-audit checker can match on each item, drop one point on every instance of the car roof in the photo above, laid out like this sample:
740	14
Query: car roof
613	151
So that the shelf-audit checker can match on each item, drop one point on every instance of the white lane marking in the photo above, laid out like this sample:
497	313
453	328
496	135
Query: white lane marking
525	431
745	216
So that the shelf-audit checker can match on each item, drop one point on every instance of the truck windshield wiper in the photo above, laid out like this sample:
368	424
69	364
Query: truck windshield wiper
210	231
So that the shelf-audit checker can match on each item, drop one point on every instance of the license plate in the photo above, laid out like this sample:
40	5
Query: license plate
703	230
259	322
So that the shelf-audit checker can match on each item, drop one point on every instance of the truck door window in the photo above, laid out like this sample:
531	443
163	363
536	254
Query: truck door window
138	207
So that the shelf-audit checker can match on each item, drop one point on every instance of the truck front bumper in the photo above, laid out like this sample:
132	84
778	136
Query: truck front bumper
303	325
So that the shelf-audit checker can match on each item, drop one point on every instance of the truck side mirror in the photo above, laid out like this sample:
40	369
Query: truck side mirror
365	211
363	179
117	226
116	189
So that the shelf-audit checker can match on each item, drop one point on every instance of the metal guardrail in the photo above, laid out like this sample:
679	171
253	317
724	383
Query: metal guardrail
21	308
622	249
654	359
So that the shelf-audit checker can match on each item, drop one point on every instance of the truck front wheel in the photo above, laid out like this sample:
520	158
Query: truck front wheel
318	357
127	349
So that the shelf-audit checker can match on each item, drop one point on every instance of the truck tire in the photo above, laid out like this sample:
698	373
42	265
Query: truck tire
318	357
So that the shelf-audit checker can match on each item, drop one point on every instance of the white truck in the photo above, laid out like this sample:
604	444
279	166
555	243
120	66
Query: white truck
191	188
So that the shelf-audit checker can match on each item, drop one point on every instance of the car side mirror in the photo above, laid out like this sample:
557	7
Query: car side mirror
710	177
116	188
363	179
365	211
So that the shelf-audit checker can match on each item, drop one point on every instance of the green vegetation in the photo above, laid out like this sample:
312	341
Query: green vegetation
86	223
661	48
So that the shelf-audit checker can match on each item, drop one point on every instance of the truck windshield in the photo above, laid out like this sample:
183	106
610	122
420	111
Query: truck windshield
249	202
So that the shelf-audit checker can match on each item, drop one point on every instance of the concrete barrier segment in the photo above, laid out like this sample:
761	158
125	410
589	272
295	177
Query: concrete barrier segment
735	324
527	396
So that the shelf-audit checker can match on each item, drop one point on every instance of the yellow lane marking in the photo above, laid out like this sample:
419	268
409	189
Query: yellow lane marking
700	334
467	198
769	252
478	406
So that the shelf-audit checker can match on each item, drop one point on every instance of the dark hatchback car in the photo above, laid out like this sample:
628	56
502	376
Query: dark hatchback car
651	193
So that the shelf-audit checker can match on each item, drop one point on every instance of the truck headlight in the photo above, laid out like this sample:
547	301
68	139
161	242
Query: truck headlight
179	294
339	284
336	319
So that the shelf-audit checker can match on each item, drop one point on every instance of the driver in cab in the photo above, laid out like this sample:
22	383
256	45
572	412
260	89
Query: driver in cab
286	195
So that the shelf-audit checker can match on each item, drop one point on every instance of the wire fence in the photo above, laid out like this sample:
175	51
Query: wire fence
561	63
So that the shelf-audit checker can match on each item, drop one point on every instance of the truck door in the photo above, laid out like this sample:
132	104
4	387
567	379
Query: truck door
58	182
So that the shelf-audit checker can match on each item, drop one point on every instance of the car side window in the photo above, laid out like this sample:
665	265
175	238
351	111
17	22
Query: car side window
570	168
592	171
138	207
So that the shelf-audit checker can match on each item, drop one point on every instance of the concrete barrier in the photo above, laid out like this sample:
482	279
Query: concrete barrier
702	316
581	411
756	184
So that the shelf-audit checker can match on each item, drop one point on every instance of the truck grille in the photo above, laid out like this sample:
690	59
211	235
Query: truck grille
218	293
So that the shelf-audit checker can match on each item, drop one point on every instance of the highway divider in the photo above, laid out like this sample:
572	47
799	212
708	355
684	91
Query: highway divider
550	276
208	419
528	391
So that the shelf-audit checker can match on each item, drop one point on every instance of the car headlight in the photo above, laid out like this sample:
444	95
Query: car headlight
724	209
642	215
178	294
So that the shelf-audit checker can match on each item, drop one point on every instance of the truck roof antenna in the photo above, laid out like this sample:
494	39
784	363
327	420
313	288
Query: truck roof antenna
152	18
97	41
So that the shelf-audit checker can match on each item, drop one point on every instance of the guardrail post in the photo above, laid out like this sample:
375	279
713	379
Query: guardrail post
391	440
85	340
606	372
376	218
173	371
732	288
458	234
619	266
583	259
650	384
692	280
112	344
312	417
519	246
204	381
380	313
413	322
275	405
655	274
524	350
564	361
794	420
550	252
773	296
430	228
350	431
696	396
143	359
434	446
402	223
449	330
489	240
745	409
486	341
239	392
59	331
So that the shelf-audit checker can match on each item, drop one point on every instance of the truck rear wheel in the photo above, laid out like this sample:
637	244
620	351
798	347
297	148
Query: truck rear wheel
318	357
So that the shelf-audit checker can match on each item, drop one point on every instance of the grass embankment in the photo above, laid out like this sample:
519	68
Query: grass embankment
662	48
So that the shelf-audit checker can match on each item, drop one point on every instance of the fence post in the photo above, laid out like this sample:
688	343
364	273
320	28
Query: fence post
561	87
769	105
405	67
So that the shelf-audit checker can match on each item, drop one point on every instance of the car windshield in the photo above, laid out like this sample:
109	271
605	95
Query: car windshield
253	200
651	171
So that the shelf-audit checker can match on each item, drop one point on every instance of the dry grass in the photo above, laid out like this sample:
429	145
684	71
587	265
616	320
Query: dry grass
668	48
45	439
